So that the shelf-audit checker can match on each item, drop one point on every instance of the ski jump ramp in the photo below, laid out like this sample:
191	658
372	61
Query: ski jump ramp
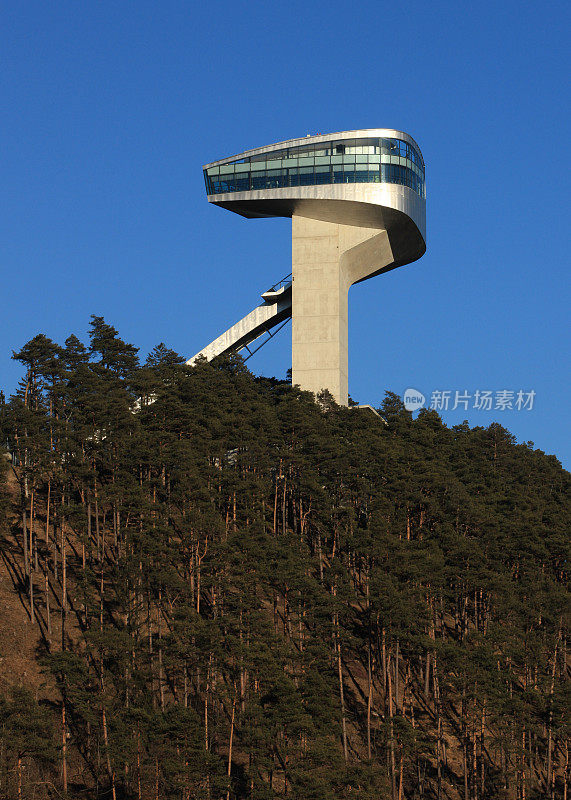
260	324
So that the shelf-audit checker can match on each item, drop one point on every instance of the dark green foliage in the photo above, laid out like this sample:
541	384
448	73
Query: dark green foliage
259	595
26	743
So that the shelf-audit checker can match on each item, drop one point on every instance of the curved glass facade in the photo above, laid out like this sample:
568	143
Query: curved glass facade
363	160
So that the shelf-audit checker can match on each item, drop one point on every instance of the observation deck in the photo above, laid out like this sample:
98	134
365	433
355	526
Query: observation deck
357	200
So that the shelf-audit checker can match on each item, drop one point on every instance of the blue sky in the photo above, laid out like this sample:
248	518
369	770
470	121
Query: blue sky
111	108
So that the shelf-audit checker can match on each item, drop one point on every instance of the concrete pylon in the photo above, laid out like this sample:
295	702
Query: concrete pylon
327	259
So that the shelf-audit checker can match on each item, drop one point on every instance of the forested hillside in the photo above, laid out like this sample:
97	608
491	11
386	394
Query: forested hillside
233	591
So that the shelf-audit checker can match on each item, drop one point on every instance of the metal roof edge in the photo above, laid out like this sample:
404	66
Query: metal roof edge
390	133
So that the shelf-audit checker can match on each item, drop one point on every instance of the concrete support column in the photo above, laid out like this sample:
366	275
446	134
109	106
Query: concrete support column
327	258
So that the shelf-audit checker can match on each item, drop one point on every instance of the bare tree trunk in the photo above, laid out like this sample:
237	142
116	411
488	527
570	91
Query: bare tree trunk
550	782
31	557
47	593
110	769
474	758
159	637
276	507
482	751
465	760
206	693
342	698
341	692
392	738
48	513
63	747
369	699
384	659
566	770
397	657
25	532
63	588
320	557
230	742
139	794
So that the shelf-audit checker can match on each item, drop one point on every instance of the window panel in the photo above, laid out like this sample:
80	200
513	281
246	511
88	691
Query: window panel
322	175
293	177
366	160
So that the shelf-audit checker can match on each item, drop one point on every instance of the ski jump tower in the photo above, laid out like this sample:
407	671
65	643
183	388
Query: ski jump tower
357	204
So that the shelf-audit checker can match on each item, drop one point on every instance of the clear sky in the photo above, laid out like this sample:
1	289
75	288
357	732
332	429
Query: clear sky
111	108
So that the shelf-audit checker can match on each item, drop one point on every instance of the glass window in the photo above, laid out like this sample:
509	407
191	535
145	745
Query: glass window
293	177
307	150
366	160
258	180
322	175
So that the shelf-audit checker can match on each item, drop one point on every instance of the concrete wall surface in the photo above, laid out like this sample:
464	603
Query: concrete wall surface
327	258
